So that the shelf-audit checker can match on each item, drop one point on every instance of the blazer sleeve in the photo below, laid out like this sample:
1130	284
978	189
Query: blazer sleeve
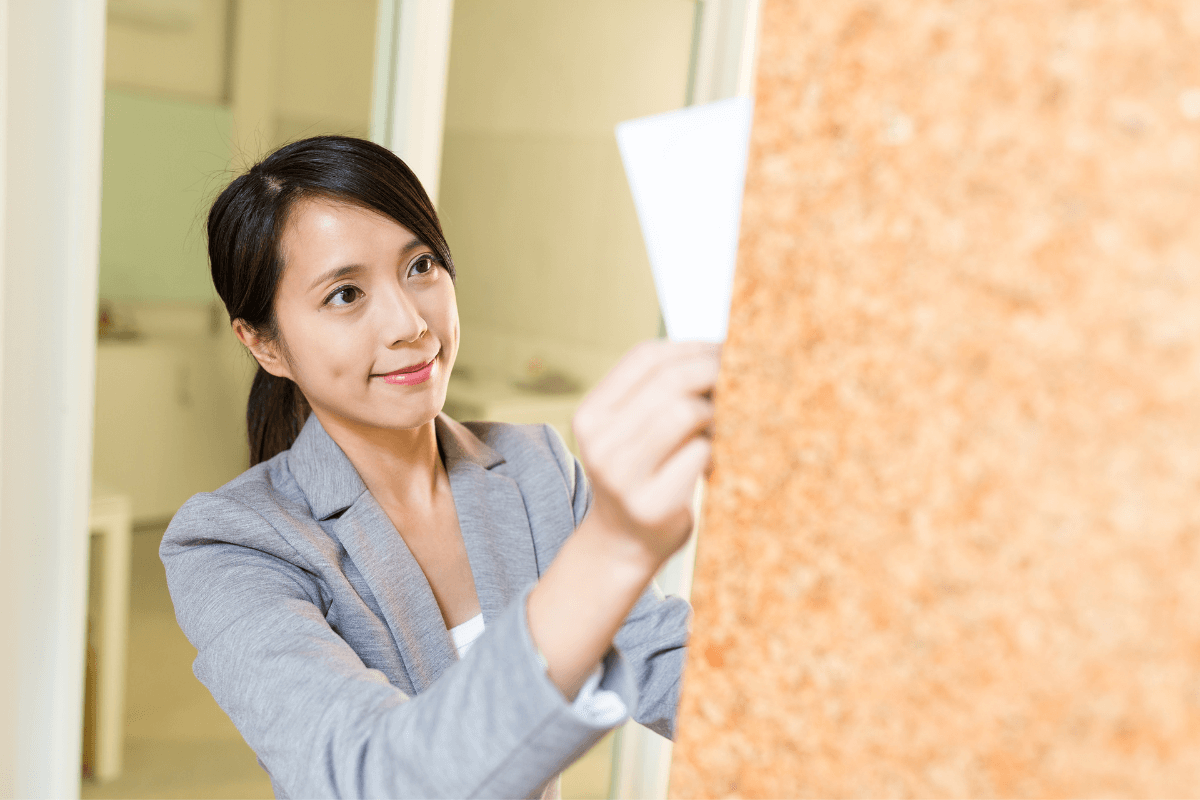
653	638
325	725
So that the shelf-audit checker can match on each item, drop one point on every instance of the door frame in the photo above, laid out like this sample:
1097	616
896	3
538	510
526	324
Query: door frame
51	94
408	99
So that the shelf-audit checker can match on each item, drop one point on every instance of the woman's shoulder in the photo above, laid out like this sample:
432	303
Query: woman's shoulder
247	507
537	458
527	448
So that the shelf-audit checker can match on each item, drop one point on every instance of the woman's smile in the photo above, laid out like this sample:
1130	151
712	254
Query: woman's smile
410	376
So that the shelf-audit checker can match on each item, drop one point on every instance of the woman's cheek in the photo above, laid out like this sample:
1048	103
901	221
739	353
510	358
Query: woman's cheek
340	354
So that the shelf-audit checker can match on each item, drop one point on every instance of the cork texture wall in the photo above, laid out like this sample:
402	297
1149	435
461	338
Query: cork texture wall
952	538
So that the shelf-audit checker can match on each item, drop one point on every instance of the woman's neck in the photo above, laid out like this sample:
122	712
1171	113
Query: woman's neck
399	467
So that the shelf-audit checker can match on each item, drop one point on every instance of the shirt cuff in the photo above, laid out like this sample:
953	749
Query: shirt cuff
607	694
601	707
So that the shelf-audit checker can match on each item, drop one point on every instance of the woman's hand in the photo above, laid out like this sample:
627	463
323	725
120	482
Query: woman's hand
643	440
643	436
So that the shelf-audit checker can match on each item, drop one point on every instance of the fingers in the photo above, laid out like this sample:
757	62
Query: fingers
668	424
626	401
672	487
643	437
640	364
671	406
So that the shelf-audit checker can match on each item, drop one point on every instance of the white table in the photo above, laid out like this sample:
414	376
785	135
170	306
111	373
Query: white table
110	522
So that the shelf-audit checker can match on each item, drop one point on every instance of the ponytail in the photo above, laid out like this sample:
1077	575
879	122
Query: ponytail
275	413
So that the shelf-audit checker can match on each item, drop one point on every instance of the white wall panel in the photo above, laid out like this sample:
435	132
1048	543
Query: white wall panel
53	82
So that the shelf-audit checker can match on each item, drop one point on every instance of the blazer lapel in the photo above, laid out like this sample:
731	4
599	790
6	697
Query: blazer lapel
491	515
400	588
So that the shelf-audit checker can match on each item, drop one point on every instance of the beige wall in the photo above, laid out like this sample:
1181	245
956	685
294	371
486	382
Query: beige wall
326	56
289	68
173	48
533	196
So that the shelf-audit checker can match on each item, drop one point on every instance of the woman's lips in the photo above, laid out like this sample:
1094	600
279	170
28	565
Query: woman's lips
411	376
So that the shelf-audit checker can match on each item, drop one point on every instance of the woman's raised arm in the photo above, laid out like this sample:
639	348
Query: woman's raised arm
643	440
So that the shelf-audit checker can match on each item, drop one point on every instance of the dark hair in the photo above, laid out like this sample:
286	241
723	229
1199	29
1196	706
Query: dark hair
245	227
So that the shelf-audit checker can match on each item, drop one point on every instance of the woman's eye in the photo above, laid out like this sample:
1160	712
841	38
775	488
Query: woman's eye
423	265
343	296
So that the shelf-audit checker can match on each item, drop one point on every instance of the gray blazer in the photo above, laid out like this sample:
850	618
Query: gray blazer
318	633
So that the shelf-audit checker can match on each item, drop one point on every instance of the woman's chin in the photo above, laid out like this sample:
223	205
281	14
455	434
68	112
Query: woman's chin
416	414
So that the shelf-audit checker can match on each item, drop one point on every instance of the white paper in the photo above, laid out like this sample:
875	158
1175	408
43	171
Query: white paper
687	171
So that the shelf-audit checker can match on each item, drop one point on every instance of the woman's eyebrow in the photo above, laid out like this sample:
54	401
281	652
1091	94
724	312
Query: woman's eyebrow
350	269
335	274
413	244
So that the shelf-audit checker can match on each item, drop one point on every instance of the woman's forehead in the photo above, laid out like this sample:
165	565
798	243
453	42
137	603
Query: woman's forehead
330	218
323	234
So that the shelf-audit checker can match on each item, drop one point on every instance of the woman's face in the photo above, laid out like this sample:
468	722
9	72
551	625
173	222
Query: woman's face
367	317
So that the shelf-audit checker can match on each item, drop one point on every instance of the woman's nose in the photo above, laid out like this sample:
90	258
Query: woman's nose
401	319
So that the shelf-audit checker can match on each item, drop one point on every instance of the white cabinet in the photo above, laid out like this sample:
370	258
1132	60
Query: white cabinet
169	419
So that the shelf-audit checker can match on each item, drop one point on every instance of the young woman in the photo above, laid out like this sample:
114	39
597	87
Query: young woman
390	603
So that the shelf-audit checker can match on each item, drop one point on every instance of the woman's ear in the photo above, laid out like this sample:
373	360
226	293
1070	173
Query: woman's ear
265	352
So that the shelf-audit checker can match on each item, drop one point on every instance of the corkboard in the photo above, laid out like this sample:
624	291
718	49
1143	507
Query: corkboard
952	541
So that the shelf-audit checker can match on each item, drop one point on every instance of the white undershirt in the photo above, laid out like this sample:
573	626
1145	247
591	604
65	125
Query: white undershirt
599	706
465	635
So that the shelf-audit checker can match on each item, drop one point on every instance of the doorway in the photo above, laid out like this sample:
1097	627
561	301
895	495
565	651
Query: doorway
554	283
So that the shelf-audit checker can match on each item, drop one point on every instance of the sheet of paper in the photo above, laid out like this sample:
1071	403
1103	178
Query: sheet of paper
686	170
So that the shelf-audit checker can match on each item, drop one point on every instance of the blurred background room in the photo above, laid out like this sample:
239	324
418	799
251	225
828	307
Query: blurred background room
506	110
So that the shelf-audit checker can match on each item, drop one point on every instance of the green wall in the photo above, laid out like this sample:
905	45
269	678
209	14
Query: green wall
164	161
